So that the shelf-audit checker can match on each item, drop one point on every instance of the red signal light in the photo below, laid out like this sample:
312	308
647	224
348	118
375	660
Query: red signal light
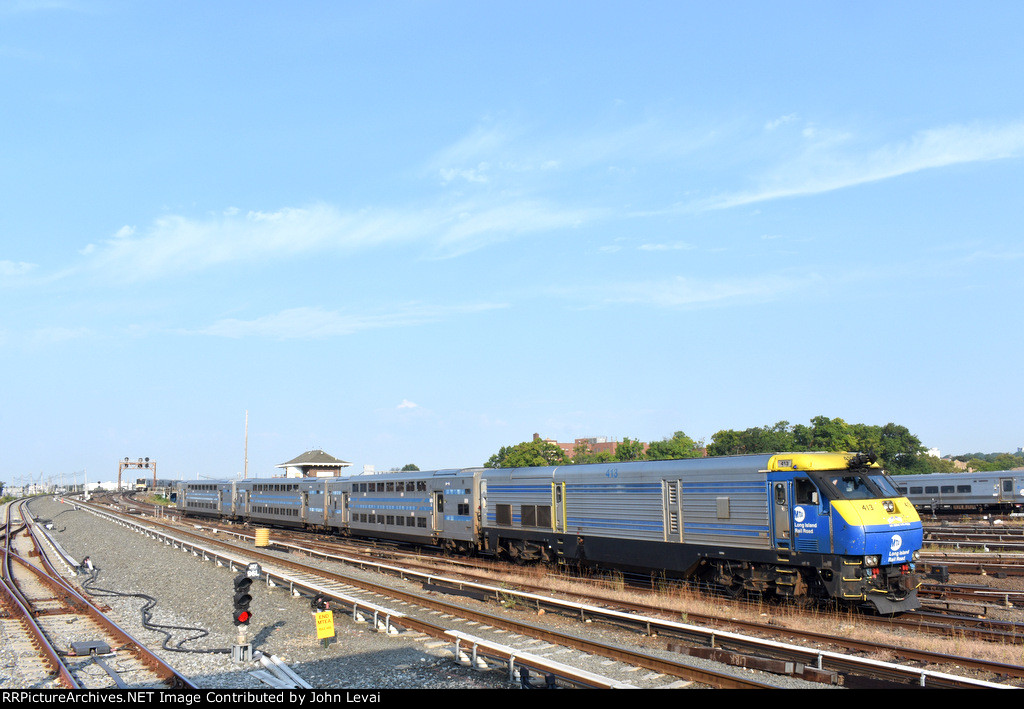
242	599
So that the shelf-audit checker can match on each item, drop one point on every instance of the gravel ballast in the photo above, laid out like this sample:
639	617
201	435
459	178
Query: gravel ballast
195	598
191	593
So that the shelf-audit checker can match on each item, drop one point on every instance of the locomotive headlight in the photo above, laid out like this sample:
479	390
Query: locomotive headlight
871	560
889	507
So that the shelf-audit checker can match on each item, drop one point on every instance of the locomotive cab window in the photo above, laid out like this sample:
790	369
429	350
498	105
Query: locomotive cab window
804	492
858	486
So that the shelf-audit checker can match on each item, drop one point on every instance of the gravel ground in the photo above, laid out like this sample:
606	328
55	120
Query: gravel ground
191	593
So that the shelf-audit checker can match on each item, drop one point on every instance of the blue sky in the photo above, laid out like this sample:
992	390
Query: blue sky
419	231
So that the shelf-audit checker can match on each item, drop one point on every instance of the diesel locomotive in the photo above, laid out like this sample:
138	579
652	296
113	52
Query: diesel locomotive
795	525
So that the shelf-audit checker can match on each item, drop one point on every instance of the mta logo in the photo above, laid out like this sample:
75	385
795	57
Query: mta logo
897	542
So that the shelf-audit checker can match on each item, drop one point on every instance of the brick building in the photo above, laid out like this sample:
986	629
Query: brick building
599	444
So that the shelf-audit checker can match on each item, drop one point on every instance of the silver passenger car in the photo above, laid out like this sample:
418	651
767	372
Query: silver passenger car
432	507
981	490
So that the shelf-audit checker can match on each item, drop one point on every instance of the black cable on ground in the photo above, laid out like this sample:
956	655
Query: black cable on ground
147	618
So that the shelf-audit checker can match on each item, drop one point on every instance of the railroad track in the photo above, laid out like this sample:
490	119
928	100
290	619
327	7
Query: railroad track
977	594
66	636
484	571
654	626
450	621
996	565
1003	540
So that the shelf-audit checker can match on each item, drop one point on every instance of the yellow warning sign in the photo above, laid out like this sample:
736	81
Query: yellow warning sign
324	624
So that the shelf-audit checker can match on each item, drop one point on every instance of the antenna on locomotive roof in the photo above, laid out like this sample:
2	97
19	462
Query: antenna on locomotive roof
862	460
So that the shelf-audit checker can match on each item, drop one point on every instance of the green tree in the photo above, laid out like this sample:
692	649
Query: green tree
899	449
679	446
869	438
581	454
528	454
1005	461
726	442
766	439
629	450
928	464
831	435
992	461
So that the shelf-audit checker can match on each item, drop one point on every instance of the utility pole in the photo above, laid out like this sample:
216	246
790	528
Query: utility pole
245	469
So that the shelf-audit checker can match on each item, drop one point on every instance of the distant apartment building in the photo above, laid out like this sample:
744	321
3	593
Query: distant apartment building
598	444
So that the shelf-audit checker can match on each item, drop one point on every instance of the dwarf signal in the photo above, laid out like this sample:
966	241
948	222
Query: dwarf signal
242	599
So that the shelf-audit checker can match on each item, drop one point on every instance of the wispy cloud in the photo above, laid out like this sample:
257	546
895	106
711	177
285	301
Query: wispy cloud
997	254
830	162
669	246
500	156
13	269
472	229
781	120
317	323
786	157
177	244
489	207
42	337
682	292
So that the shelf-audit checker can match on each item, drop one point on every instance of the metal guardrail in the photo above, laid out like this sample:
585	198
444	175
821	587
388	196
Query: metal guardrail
475	652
